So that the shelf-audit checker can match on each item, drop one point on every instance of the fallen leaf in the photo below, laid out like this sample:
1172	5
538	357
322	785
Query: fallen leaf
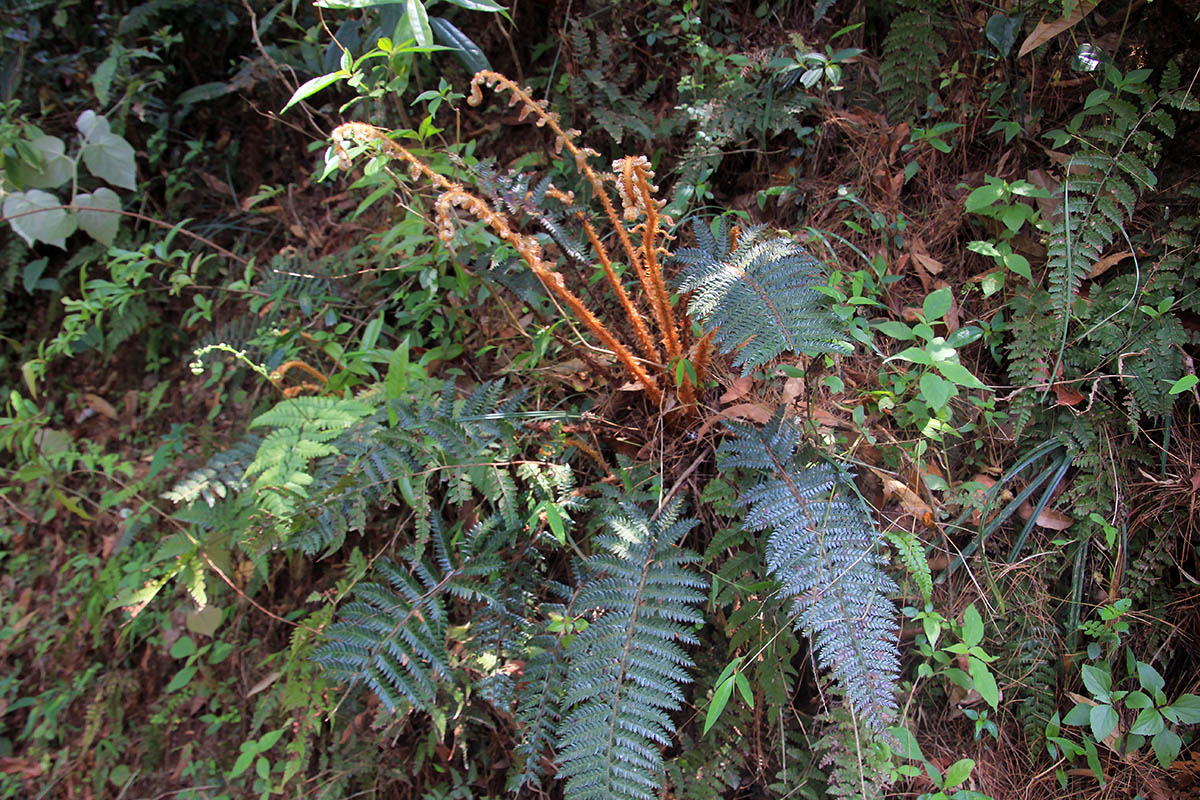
100	405
1048	519
751	411
737	390
1102	266
1066	396
1045	31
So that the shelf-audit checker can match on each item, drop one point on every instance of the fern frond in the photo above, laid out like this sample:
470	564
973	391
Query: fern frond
627	669
823	551
392	636
759	297
223	474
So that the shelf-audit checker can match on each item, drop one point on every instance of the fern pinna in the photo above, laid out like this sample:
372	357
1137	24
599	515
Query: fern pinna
759	295
823	551
627	669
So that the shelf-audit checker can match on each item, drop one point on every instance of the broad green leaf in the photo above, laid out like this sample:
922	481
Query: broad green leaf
183	647
464	48
38	216
1166	746
1097	681
105	154
1149	678
904	744
181	679
913	354
1138	700
1187	709
937	304
1103	719
1019	264
1183	384
350	4
312	86
957	373
102	78
477	5
985	682
1079	716
56	169
418	20
205	91
1148	722
1014	216
100	225
984	248
958	772
936	391
896	330
972	627
984	196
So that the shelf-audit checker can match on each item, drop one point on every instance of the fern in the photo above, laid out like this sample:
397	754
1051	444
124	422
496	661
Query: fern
823	551
759	295
392	637
627	669
911	54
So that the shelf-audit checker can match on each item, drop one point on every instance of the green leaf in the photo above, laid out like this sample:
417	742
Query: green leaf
958	772
418	20
936	391
55	168
31	276
743	685
984	248
1078	716
1166	746
972	627
896	330
105	154
102	78
38	216
100	225
181	679
1187	709
1019	264
243	763
183	647
1149	678
937	304
720	698
1138	700
958	374
351	4
465	49
984	196
203	92
312	86
905	744
1103	719
1097	681
477	5
1148	722
1183	384
913	354
985	682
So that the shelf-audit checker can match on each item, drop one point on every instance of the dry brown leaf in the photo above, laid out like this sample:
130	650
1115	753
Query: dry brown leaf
100	405
737	390
1045	31
1066	396
751	411
792	388
1103	265
1048	519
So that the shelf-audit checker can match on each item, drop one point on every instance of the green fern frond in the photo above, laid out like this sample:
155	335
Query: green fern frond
760	297
392	636
911	54
823	550
627	669
222	475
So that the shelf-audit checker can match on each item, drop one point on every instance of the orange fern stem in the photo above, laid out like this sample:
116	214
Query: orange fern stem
639	324
703	356
287	366
636	178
